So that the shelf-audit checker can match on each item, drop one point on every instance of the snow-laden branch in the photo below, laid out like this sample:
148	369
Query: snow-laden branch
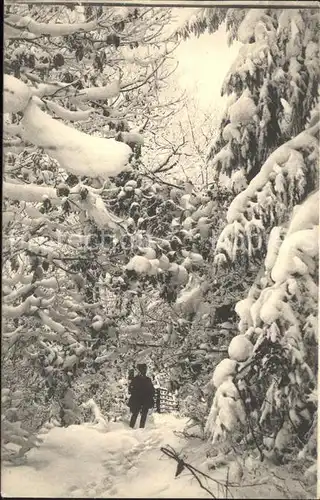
50	283
28	192
99	93
16	94
53	325
82	198
66	114
13	143
67	90
53	88
296	254
27	24
301	244
75	151
285	154
281	184
30	305
305	216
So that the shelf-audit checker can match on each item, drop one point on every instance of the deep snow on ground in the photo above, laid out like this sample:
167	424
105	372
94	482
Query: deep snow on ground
88	461
93	461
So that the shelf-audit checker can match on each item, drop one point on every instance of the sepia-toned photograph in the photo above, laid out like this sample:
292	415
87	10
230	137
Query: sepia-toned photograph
160	249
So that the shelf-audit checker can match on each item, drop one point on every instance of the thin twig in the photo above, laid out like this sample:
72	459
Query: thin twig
170	452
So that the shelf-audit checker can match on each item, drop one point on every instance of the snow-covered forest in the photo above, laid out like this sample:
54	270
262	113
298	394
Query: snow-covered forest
138	227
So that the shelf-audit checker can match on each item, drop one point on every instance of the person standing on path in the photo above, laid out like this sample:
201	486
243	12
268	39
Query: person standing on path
141	399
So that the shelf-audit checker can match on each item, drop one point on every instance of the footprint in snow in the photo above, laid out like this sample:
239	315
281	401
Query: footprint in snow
92	484
72	489
77	492
92	493
110	463
112	492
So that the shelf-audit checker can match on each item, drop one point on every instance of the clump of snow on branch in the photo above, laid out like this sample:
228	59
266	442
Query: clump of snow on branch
75	151
66	114
142	265
243	110
240	348
226	411
16	441
28	192
93	204
16	94
249	24
50	29
225	369
191	298
99	93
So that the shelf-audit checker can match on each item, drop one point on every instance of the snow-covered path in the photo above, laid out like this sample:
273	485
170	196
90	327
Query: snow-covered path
92	461
88	461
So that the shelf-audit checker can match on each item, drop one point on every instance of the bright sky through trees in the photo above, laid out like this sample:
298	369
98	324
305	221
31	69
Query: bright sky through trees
203	63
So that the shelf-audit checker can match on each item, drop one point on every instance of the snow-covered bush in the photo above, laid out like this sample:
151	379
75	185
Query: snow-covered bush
16	439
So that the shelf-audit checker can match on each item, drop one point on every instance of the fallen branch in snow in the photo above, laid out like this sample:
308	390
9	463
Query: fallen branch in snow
188	435
170	452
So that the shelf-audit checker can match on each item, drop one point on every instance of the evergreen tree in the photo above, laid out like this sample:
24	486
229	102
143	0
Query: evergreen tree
272	85
268	146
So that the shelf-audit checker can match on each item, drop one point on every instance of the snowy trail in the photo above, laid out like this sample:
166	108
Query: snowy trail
88	461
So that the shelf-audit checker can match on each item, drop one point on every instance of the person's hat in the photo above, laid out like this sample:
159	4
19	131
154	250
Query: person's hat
142	367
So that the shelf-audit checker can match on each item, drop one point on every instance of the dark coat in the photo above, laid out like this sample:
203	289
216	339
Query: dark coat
141	392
